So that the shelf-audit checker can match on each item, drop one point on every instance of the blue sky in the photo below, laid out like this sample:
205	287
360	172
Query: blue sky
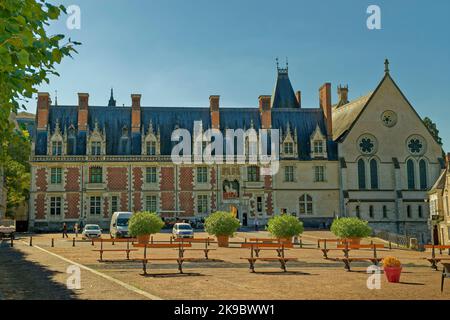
178	53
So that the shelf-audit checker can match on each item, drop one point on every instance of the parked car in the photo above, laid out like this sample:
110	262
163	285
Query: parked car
182	230
91	231
119	224
7	228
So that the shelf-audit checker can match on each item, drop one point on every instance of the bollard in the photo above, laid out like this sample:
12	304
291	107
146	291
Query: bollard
31	241
92	241
12	241
301	243
390	245
53	242
73	242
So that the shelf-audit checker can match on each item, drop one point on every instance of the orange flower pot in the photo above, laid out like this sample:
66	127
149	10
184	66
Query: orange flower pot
223	241
393	273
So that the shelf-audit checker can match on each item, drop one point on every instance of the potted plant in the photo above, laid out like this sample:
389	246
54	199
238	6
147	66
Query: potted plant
392	269
143	224
352	229
284	227
223	225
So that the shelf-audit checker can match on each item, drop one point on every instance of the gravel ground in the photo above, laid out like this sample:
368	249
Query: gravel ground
30	273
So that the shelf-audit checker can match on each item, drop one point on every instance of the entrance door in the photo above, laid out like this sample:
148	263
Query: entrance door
244	219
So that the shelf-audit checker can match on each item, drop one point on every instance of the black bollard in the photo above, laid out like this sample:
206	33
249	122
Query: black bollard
53	242
73	242
31	241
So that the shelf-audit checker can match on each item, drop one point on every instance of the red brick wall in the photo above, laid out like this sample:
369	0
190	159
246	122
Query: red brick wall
186	203
72	179
167	201
267	187
41	179
73	205
39	204
137	201
117	178
105	207
137	179
213	185
186	179
124	201
167	179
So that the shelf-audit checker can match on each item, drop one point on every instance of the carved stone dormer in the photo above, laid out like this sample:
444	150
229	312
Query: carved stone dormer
151	141
96	141
55	141
318	143
289	146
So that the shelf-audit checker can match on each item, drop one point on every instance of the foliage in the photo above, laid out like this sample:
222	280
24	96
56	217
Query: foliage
431	126
352	227
27	55
221	223
144	223
391	262
285	226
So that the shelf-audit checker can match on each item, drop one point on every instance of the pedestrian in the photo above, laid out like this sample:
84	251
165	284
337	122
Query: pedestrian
256	224
64	230
75	229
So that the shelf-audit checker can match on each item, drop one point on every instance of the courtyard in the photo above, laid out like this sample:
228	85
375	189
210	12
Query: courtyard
40	272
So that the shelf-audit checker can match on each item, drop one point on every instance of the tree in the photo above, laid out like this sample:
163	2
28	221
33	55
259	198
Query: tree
27	56
431	126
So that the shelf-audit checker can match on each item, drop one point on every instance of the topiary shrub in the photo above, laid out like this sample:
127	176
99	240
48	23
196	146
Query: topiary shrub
144	223
285	226
350	228
221	223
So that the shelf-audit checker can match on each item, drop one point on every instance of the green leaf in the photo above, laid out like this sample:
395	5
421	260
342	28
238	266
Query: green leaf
24	57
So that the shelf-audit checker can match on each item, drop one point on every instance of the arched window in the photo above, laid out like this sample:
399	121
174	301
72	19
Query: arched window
410	174
306	205
373	174
423	174
361	174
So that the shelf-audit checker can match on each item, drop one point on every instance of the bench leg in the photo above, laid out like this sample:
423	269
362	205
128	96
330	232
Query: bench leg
442	281
144	267
434	265
101	255
206	254
252	265
325	254
128	254
180	266
257	253
279	252
347	265
283	265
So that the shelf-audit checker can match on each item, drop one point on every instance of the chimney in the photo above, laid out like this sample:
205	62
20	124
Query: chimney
298	96
343	95
447	158
83	110
135	113
43	105
325	105
214	110
265	111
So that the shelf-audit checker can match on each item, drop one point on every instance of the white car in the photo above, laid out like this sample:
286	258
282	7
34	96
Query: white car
91	231
182	230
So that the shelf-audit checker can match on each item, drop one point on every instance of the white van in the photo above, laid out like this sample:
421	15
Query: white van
119	224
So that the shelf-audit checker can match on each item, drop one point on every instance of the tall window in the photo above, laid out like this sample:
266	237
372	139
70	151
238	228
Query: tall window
385	212
150	148
55	206
151	203
57	148
114	204
259	204
71	142
95	175
410	174
202	204
306	204
253	173
288	148
55	175
95	205
150	175
373	174
358	212
289	174
361	174
371	211
423	174
202	174
318	146
319	173
420	212
408	211
96	148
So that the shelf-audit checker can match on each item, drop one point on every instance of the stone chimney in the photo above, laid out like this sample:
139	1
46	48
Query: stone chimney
83	111
325	105
265	112
43	105
447	159
342	94
135	113
214	102
298	96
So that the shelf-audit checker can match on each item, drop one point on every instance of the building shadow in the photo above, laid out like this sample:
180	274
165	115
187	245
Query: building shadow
22	279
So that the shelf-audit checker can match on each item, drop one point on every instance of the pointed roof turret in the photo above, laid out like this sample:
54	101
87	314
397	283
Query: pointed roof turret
112	102
283	95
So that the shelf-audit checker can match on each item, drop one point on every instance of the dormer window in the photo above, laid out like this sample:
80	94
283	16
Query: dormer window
150	142
96	148
55	142
96	141
57	148
318	144
289	142
289	148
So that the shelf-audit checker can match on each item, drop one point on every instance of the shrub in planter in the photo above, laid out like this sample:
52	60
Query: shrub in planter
285	227
143	224
351	228
392	269
223	225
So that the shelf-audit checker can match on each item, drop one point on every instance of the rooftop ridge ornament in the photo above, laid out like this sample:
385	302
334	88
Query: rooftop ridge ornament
282	70
386	66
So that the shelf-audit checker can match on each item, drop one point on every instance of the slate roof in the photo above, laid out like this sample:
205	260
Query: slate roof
283	96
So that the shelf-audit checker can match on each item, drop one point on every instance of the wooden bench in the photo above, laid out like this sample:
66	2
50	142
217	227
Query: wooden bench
180	259
101	250
445	274
205	241
435	260
347	260
279	247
